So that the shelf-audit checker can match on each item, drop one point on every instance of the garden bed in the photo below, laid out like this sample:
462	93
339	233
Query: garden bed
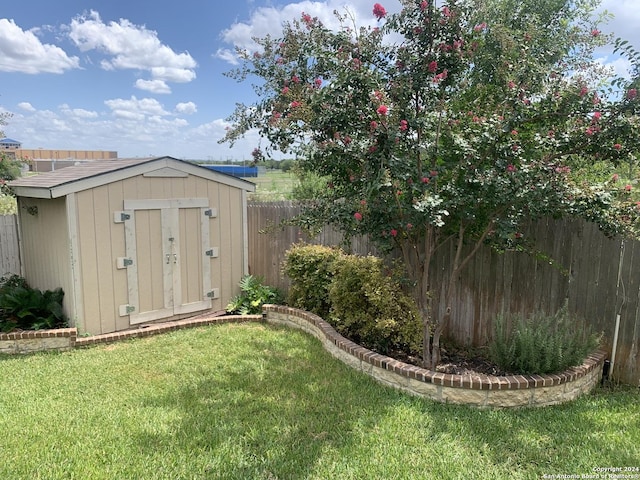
477	390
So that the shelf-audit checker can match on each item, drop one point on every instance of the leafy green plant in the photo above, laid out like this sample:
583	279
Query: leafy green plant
541	343
359	296
254	295
310	267
369	307
29	308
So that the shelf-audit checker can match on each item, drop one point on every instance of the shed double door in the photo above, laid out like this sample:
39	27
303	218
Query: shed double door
168	258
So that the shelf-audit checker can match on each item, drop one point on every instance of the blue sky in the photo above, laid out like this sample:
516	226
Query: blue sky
146	78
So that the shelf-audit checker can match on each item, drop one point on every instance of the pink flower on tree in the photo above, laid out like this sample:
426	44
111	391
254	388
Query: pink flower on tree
433	67
615	177
511	84
295	79
511	168
617	146
394	232
403	125
382	110
357	216
423	5
378	11
441	76
295	104
317	82
597	116
595	32
583	91
627	188
373	125
632	93
446	11
480	27
285	90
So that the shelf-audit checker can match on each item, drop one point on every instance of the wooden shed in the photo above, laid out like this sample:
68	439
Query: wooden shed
132	241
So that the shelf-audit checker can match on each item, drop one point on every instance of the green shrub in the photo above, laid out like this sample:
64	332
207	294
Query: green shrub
28	308
541	343
254	295
369	307
310	268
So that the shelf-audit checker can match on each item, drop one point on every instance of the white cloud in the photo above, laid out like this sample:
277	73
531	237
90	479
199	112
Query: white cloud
227	55
625	21
79	113
186	108
21	51
26	106
144	106
153	86
619	66
269	20
130	46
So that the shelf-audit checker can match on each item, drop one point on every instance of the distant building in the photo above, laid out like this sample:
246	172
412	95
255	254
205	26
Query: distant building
9	144
45	160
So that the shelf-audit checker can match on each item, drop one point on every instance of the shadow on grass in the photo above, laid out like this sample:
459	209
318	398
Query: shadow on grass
283	412
271	414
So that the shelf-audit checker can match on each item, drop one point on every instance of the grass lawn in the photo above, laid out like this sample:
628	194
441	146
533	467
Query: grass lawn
251	401
273	185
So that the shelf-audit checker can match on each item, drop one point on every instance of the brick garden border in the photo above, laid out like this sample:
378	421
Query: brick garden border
476	390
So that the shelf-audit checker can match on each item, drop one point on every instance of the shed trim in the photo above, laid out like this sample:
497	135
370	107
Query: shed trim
156	204
90	175
75	270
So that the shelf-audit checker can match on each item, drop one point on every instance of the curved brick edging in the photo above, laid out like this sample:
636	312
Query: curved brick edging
61	339
476	390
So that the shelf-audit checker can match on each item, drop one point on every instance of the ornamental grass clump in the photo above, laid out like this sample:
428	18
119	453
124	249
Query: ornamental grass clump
541	343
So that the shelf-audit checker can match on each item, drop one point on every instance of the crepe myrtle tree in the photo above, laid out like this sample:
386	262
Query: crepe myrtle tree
458	120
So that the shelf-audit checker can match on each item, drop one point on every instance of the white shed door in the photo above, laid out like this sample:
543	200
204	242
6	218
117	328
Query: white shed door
168	258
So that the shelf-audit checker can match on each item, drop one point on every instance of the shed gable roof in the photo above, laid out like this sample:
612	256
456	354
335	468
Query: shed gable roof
93	174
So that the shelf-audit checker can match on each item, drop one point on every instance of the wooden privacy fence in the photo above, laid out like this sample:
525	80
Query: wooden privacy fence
9	251
598	276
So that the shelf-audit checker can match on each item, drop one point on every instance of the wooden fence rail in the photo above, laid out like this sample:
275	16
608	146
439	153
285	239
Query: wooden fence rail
599	277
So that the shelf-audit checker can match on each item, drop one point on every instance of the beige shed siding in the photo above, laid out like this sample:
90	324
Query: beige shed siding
45	248
101	241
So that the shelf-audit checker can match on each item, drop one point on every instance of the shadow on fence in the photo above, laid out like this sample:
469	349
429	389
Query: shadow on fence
598	276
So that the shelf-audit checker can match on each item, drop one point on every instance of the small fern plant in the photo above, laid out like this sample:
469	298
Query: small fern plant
253	295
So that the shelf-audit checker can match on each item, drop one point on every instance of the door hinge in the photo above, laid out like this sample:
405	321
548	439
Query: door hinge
211	212
123	262
125	310
120	217
215	293
213	252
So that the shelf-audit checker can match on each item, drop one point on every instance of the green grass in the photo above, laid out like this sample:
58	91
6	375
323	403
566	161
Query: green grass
252	401
273	185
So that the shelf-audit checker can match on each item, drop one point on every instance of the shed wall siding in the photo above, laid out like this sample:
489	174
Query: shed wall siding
101	241
46	248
